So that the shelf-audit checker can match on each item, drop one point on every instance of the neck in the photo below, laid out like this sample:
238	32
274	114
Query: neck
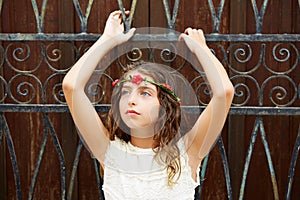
142	138
142	142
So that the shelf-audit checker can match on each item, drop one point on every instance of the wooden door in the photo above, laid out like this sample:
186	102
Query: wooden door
257	41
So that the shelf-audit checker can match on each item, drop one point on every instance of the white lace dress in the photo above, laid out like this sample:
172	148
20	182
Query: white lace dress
131	173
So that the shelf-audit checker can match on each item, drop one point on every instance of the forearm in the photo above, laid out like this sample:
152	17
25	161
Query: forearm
82	70
211	121
215	73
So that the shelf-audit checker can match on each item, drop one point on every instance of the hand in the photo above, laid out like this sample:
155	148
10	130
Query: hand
114	28
193	38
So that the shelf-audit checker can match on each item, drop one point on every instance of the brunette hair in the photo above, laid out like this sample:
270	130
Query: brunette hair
166	151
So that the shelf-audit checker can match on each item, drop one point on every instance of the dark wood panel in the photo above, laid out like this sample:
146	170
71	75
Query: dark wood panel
26	128
3	180
236	128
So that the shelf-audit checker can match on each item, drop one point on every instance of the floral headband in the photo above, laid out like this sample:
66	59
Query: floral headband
138	79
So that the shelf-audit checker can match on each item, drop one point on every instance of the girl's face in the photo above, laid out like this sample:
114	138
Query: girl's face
139	105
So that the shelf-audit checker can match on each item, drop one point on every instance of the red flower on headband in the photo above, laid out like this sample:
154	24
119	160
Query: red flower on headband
166	86
137	79
115	82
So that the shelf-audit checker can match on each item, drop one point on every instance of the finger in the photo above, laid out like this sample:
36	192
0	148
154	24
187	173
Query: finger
118	15
130	32
193	32
200	32
181	37
116	12
188	30
126	13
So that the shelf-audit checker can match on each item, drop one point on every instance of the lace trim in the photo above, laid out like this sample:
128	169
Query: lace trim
119	183
122	186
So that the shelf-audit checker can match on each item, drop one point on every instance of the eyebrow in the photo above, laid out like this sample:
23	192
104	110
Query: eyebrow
139	88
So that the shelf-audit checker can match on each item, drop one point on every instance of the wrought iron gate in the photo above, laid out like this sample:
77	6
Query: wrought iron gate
253	94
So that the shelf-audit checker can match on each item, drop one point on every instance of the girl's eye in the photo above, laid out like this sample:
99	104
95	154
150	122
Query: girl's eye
124	92
145	93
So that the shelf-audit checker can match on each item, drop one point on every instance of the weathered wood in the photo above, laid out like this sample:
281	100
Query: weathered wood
26	128
236	127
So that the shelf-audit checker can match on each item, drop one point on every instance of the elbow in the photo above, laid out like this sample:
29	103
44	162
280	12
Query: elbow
71	86
226	93
229	91
68	87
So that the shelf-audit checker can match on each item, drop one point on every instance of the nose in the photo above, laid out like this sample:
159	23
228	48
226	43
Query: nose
132	100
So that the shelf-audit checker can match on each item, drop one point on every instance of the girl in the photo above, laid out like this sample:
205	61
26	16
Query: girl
141	148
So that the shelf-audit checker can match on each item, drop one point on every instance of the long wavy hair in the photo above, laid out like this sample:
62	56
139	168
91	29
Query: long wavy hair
166	151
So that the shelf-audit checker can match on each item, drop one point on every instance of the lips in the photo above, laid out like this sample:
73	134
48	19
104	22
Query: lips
132	112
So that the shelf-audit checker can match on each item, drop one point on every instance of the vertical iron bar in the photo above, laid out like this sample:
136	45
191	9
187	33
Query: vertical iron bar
225	167
59	153
99	179
38	163
269	159
1	3
259	16
299	85
132	10
83	17
3	169
127	20
171	20
80	15
248	158
216	19
39	17
121	7
74	170
13	156
293	165
202	176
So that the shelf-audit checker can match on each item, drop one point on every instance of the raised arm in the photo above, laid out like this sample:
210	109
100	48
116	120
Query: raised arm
209	125
84	115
